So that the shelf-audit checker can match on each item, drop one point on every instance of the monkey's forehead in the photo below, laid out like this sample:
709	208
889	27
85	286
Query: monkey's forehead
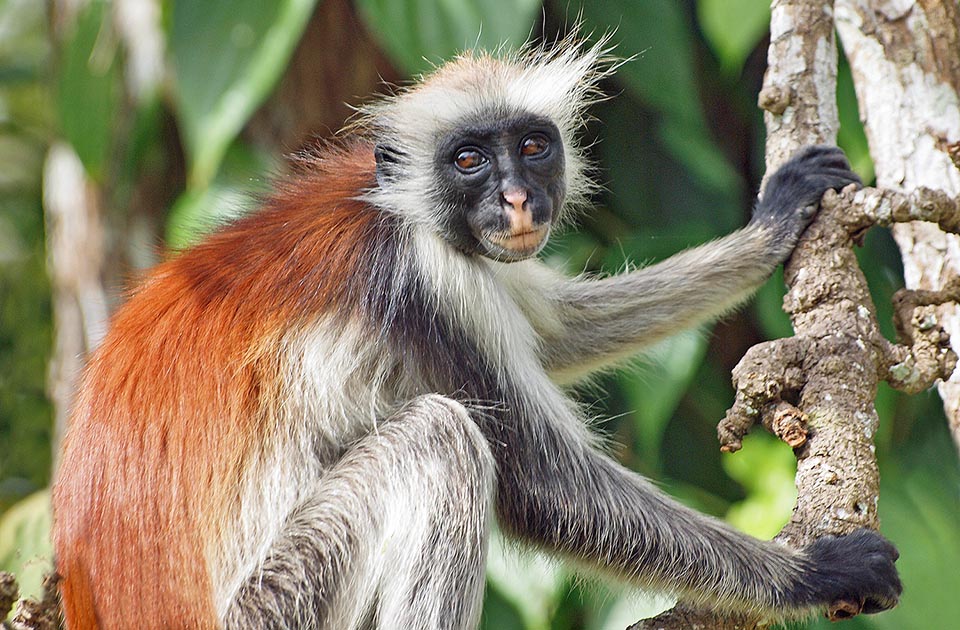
556	84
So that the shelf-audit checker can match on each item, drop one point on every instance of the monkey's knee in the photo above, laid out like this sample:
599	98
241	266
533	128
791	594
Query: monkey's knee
443	478
442	431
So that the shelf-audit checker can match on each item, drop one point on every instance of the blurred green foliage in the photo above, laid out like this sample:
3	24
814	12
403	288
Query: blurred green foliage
26	125
680	151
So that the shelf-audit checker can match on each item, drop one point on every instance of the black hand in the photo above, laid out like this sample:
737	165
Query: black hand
857	567
793	192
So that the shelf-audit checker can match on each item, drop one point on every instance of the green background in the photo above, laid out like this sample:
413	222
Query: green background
680	151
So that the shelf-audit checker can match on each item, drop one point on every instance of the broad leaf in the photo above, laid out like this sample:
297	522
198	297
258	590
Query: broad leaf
227	56
532	583
25	548
656	387
229	195
766	467
662	76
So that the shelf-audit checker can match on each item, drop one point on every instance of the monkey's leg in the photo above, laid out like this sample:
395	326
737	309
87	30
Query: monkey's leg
393	536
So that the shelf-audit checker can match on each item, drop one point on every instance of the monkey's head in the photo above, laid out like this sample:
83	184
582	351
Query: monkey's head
484	151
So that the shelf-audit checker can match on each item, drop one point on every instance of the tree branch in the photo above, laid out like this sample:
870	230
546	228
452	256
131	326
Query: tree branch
910	105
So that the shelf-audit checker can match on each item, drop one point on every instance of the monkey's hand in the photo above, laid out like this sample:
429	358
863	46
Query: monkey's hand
792	195
851	574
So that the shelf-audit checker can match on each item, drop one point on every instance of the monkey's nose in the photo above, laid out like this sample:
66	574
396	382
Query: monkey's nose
516	197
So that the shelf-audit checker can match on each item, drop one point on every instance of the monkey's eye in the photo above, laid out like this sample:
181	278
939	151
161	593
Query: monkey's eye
534	144
469	160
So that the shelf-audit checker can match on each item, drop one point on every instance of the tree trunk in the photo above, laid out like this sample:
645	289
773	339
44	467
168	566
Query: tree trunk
906	63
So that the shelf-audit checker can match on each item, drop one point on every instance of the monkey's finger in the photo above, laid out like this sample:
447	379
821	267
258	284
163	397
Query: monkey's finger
837	178
819	155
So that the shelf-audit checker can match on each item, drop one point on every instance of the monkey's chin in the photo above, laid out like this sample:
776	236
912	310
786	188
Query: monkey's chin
509	247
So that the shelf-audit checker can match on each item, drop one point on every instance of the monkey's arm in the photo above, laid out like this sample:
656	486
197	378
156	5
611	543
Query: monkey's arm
591	323
585	324
557	491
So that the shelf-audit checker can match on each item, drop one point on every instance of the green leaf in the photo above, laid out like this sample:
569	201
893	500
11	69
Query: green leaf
657	386
733	28
25	548
629	607
768	305
766	467
919	512
88	87
420	33
657	31
701	156
227	56
667	206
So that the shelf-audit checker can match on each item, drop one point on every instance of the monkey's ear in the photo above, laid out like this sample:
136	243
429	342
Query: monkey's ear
389	163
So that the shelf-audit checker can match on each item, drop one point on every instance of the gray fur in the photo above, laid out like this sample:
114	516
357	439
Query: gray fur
386	535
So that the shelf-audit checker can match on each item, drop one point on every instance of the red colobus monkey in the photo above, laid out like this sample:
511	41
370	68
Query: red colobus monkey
309	420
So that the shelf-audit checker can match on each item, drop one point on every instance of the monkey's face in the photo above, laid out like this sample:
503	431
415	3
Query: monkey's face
500	186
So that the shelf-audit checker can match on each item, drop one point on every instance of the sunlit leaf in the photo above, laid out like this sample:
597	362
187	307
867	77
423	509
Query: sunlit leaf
420	33
200	210
766	467
629	607
733	28
227	56
25	548
531	583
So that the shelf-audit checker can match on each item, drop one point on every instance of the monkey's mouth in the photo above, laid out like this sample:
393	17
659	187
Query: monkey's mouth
516	245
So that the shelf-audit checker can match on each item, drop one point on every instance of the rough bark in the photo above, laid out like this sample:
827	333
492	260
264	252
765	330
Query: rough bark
31	614
798	97
816	389
905	59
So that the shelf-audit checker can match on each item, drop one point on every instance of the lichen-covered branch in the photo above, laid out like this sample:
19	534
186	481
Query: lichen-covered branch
768	375
9	592
31	614
886	207
910	105
799	98
772	374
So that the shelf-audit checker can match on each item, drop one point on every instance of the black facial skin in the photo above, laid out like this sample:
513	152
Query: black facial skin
477	163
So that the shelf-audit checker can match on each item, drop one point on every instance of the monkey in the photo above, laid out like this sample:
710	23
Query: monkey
311	418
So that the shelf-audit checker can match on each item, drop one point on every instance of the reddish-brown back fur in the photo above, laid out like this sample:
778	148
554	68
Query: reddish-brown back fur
181	394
